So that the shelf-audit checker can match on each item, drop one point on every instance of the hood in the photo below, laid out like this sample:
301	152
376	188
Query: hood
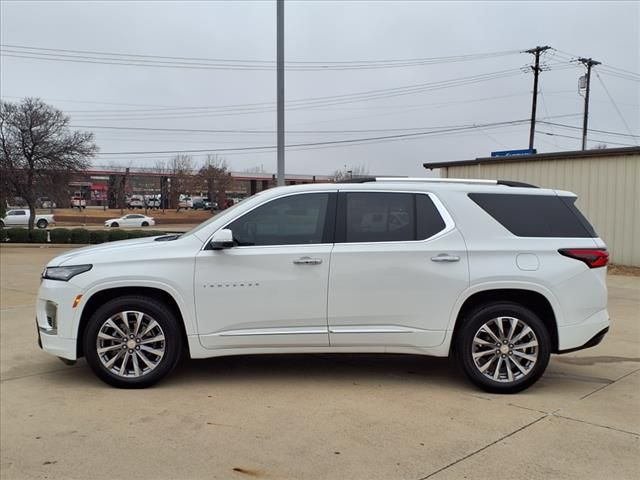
76	255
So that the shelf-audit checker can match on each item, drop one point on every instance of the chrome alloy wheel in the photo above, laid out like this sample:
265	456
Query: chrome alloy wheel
505	349
130	344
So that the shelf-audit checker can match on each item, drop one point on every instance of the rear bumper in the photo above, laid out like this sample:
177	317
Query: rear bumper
585	334
595	340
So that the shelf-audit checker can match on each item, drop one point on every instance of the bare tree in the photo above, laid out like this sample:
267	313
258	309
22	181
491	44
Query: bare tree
179	169
37	145
353	172
217	178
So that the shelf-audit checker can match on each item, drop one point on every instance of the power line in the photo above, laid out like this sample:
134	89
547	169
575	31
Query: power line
605	132
580	138
313	102
614	104
332	142
127	59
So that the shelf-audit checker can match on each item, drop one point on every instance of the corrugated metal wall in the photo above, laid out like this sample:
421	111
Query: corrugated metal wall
608	190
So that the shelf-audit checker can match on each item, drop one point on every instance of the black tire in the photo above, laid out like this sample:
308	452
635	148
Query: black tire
145	224
1	224
114	224
464	345
173	343
42	223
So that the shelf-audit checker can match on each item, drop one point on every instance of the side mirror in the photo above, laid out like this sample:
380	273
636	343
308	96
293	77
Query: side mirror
222	239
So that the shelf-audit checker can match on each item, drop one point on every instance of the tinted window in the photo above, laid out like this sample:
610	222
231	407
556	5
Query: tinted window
535	215
293	220
428	219
380	217
17	212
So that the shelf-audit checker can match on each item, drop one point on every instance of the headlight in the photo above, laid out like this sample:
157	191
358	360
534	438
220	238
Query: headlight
65	273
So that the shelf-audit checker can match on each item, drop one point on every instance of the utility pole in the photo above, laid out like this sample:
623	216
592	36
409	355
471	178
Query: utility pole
280	87
588	62
536	71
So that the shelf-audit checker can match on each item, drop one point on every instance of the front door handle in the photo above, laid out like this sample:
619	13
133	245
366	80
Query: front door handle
445	257
308	261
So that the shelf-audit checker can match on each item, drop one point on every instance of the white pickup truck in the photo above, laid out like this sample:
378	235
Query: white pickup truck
20	217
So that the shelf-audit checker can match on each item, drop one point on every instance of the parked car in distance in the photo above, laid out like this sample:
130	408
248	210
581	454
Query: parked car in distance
78	202
496	274
135	201
20	217
185	202
152	202
45	202
201	204
131	220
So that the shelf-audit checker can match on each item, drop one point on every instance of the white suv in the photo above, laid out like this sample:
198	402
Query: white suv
500	274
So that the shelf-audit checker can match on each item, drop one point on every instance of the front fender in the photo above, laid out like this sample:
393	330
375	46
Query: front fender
186	308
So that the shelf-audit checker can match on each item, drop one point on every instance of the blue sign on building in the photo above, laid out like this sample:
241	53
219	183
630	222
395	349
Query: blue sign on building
509	153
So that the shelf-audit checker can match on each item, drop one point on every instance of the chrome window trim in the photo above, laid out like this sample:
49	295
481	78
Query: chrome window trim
449	224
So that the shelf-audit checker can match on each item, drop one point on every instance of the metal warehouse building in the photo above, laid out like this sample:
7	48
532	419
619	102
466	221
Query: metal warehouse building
606	181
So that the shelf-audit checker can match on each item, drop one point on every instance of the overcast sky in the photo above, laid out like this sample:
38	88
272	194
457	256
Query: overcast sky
96	94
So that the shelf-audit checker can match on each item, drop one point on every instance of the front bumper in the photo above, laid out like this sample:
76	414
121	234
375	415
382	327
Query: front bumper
58	346
56	318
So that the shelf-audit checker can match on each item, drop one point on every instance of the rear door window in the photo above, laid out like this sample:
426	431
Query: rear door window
536	215
387	217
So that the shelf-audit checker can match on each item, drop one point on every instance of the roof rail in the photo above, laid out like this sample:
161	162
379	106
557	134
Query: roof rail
476	181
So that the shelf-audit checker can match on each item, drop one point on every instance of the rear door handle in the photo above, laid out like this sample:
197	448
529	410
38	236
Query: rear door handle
445	257
308	261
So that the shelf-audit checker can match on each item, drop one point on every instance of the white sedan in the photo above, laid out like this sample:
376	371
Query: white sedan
131	220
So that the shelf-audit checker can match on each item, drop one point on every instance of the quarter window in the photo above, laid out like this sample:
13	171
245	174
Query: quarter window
536	215
292	220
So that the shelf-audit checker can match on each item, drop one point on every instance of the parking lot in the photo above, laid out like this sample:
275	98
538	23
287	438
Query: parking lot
315	416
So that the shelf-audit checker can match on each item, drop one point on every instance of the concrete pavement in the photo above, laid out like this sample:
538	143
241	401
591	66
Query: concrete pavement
316	416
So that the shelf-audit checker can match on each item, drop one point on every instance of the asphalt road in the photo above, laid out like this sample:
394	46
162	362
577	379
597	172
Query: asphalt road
317	416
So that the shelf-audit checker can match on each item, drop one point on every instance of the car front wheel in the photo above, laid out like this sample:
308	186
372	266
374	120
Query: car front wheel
114	224
503	347
42	224
132	342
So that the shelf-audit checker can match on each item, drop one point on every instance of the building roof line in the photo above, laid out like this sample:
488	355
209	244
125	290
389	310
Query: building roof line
605	152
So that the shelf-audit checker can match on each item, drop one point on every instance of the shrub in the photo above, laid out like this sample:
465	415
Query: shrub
98	236
115	235
60	235
18	235
135	234
38	236
3	235
79	235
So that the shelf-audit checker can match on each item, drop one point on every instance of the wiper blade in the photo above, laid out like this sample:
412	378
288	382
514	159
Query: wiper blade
168	238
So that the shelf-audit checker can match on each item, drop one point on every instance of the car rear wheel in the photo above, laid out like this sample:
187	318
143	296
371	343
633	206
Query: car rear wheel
145	224
503	347
132	342
42	223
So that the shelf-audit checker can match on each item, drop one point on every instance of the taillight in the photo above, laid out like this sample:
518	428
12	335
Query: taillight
593	257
